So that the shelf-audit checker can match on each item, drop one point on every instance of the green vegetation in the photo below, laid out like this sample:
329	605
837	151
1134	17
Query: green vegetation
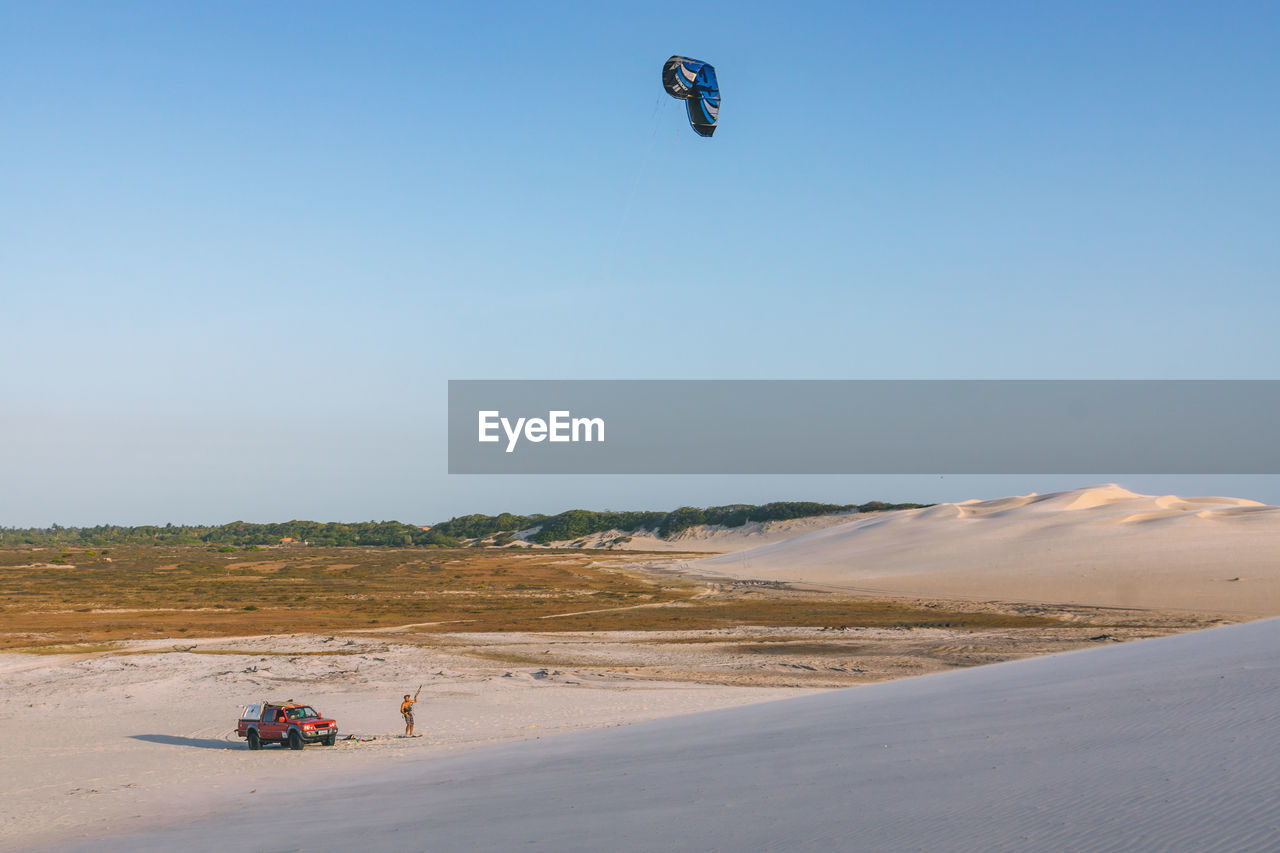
228	536
579	522
736	515
481	526
566	526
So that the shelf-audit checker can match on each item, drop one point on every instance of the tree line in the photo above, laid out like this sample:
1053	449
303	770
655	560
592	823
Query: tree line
566	526
237	533
576	523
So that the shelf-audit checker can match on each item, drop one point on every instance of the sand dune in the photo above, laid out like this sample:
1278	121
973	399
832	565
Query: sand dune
1102	546
1167	744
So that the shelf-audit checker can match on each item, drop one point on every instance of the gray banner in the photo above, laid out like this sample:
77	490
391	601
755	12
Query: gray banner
864	427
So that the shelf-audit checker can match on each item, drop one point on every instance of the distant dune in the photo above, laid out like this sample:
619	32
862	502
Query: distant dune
1102	546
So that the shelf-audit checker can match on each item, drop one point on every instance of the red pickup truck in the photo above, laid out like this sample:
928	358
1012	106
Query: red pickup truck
286	723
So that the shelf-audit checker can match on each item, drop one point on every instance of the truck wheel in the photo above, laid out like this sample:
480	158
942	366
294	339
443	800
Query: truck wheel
255	742
295	739
330	740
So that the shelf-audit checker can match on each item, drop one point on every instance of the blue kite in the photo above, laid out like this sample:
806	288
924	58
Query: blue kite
694	82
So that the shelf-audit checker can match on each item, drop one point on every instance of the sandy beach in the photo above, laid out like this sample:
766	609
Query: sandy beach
145	731
1166	744
106	739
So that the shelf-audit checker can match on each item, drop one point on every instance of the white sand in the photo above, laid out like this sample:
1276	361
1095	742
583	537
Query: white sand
96	740
1165	744
1102	546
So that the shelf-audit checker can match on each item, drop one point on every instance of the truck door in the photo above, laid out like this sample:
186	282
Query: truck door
272	727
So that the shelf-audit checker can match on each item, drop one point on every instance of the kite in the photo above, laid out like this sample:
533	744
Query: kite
694	82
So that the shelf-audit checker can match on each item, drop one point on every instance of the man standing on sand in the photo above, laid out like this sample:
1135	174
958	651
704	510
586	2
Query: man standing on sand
406	711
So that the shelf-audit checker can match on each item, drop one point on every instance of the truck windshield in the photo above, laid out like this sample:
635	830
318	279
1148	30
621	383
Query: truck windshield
302	713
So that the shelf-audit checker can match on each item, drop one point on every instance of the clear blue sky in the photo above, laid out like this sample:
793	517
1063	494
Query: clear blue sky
243	246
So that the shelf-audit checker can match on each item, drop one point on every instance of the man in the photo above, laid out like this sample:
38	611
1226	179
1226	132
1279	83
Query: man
406	711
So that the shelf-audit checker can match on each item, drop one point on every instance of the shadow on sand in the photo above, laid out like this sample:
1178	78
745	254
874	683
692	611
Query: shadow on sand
197	742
